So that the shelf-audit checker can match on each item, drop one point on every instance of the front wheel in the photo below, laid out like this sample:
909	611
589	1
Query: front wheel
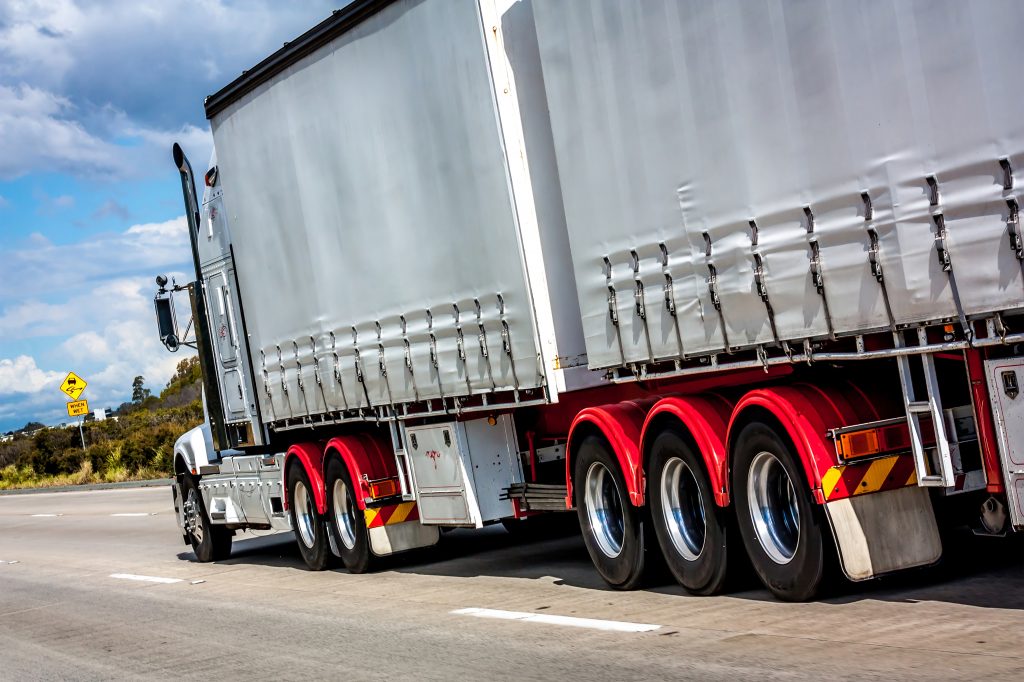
779	521
309	526
691	528
345	521
209	542
613	529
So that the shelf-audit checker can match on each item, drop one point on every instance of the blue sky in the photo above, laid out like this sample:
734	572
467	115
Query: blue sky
92	95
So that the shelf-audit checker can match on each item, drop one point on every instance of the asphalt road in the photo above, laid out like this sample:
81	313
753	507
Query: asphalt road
70	610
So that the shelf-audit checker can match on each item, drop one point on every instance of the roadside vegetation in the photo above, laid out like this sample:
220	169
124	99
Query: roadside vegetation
135	443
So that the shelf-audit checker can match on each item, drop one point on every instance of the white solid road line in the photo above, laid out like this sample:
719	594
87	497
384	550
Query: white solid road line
145	578
550	619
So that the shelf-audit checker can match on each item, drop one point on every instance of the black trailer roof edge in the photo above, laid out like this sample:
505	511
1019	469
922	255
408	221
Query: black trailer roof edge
340	22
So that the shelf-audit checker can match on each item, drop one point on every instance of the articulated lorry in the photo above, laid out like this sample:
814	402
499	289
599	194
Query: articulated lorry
730	281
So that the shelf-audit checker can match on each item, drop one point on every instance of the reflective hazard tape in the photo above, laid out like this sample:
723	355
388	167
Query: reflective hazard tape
391	514
848	480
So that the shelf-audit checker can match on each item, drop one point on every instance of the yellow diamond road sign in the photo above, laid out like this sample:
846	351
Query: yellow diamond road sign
73	386
77	408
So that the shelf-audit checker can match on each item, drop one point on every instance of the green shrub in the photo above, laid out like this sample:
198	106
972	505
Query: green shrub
137	445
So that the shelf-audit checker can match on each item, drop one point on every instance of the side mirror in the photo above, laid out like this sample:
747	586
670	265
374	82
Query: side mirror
166	322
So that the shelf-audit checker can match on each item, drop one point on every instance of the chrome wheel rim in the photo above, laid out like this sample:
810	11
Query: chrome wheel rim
304	514
604	510
683	509
344	514
773	507
193	520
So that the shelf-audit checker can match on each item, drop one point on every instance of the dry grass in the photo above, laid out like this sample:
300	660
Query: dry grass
15	478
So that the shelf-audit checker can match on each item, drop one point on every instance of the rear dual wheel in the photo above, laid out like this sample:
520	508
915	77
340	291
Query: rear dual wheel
342	525
308	524
780	523
614	531
345	520
691	529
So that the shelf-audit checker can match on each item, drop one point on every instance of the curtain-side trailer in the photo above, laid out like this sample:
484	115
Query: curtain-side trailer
724	278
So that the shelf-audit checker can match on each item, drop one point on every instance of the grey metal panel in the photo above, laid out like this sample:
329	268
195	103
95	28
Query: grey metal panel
519	45
674	119
214	235
366	183
496	465
443	475
1009	416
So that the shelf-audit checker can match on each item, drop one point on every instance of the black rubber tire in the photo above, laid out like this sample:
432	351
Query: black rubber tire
626	570
358	559
216	542
801	577
706	574
318	555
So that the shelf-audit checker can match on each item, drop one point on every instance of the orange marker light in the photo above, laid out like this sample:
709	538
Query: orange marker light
873	441
386	487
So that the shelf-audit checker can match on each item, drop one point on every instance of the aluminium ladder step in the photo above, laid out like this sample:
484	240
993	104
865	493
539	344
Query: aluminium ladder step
932	407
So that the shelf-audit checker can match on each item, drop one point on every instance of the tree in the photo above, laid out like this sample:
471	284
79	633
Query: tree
31	426
139	391
186	374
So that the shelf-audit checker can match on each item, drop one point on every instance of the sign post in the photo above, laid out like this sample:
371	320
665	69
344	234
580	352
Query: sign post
72	386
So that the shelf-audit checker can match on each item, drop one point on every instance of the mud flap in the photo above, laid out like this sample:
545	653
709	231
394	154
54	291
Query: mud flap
884	532
399	537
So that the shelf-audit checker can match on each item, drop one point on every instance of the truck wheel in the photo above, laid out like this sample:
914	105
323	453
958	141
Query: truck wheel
209	542
778	519
691	528
345	521
613	529
309	526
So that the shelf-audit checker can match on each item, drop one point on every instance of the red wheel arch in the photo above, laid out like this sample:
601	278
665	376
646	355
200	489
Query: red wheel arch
621	425
311	456
366	458
706	418
806	413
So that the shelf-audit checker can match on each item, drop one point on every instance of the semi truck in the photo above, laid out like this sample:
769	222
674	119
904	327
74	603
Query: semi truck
733	282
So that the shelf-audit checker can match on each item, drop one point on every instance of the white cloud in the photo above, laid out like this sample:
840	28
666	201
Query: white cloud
41	131
70	268
86	345
38	133
174	230
117	342
83	310
4	203
98	296
21	375
101	89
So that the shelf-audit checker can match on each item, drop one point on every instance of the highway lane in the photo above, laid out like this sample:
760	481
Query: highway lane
261	615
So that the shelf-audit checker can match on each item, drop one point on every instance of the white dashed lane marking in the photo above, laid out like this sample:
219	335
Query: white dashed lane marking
133	514
551	619
145	578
